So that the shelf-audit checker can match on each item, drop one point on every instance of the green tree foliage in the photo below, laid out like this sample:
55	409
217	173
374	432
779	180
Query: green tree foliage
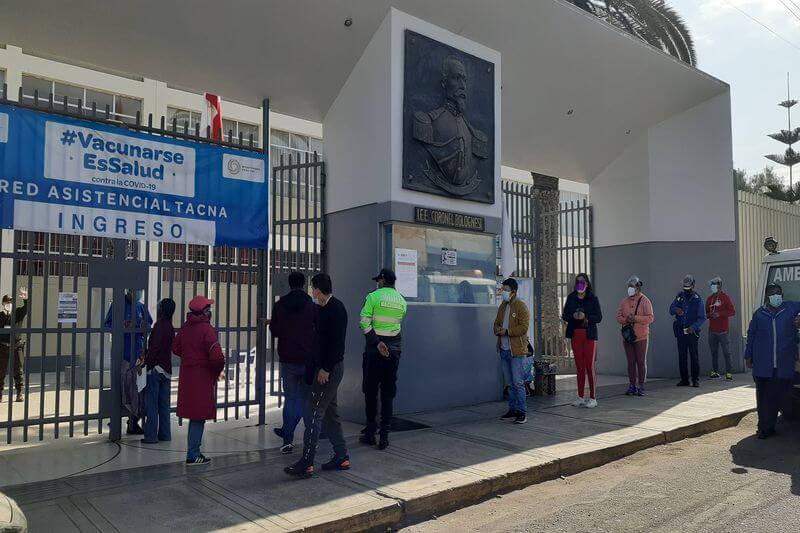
652	21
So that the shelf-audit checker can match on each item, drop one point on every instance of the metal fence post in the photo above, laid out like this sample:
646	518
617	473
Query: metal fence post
117	347
263	284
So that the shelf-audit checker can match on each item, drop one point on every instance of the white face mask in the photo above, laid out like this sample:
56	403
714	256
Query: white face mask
7	307
714	289
506	296
631	291
776	300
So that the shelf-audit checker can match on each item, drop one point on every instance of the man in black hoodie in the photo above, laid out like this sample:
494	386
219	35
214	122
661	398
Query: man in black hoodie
324	376
293	324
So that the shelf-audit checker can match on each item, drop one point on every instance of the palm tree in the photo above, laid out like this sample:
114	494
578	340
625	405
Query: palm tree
652	21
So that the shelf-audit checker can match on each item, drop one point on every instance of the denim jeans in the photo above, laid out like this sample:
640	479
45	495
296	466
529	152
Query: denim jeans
195	438
156	404
295	396
514	375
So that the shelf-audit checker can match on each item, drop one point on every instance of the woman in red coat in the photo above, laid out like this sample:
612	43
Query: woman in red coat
201	364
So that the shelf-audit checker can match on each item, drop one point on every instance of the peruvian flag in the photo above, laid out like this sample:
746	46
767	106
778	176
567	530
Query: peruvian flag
213	115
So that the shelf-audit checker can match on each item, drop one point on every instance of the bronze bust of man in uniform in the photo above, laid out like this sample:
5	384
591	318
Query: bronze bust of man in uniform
453	145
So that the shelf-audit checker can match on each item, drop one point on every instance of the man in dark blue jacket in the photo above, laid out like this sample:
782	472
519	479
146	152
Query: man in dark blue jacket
771	352
689	311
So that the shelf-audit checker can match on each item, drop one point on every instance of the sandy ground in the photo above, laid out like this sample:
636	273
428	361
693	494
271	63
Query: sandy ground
723	482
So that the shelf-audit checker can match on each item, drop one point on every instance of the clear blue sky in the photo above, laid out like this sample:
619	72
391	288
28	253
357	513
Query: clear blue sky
739	51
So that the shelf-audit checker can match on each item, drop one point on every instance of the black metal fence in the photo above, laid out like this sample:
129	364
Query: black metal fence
298	229
553	243
72	367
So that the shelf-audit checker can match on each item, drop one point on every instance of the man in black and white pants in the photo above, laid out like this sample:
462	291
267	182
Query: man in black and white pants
324	376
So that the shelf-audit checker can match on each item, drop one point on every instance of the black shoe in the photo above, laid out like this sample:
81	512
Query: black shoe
278	432
683	383
337	463
135	430
20	398
384	443
364	430
367	439
201	460
695	383
300	469
521	418
145	441
511	414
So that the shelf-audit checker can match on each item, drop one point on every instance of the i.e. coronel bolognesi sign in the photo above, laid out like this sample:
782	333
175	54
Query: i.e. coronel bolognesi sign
65	175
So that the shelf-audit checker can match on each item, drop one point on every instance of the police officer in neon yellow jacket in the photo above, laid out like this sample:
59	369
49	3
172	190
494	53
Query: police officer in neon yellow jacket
381	318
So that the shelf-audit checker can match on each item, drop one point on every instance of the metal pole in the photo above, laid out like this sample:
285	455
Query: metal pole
263	284
117	347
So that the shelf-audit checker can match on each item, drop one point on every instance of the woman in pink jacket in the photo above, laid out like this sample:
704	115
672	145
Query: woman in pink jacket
636	312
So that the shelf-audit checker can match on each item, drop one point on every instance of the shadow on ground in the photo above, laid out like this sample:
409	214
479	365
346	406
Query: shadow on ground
464	455
780	453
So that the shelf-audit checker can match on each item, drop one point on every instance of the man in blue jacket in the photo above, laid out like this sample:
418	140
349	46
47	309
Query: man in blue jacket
689	311
771	352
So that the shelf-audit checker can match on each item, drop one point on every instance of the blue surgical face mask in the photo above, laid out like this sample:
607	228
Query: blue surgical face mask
775	300
314	299
506	296
715	288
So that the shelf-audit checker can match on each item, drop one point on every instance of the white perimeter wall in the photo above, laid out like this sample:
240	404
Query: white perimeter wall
673	183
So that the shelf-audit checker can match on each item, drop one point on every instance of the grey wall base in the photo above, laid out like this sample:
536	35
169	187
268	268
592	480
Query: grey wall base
662	265
449	356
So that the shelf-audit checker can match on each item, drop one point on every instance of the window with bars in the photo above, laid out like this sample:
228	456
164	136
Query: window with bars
234	277
122	108
192	253
189	275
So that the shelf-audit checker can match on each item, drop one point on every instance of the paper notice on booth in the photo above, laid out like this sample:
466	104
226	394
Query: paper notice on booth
67	307
449	257
405	267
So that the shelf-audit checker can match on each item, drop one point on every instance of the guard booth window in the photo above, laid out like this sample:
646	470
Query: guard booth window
452	267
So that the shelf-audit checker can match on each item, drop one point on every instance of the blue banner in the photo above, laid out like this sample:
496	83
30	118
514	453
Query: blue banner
65	175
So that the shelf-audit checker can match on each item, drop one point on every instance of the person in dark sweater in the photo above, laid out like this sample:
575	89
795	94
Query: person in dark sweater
324	376
158	362
8	315
293	324
582	314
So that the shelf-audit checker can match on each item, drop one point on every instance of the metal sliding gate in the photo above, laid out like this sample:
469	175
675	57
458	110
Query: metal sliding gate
553	243
89	298
298	229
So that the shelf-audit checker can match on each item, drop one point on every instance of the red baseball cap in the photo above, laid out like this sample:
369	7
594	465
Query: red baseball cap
198	303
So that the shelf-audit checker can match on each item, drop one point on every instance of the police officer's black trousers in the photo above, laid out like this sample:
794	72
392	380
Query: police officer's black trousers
380	375
687	345
5	352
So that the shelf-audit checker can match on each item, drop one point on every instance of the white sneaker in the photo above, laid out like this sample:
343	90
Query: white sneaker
287	449
579	402
591	404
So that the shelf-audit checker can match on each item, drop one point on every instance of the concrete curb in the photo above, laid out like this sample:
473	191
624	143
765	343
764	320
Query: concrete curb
12	519
415	510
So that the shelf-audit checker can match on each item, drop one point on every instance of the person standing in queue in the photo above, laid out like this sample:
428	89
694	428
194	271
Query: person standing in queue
158	364
202	362
8	315
511	330
293	321
771	352
690	314
719	309
635	315
323	376
135	317
582	314
381	319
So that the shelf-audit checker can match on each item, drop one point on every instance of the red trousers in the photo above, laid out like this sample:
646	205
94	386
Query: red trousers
583	351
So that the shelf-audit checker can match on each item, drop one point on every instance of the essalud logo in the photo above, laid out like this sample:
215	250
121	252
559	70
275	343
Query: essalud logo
234	167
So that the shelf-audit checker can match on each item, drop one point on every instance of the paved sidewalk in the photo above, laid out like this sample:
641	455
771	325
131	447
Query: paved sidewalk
465	456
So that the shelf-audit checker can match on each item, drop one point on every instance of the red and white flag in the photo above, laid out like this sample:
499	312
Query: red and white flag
212	116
